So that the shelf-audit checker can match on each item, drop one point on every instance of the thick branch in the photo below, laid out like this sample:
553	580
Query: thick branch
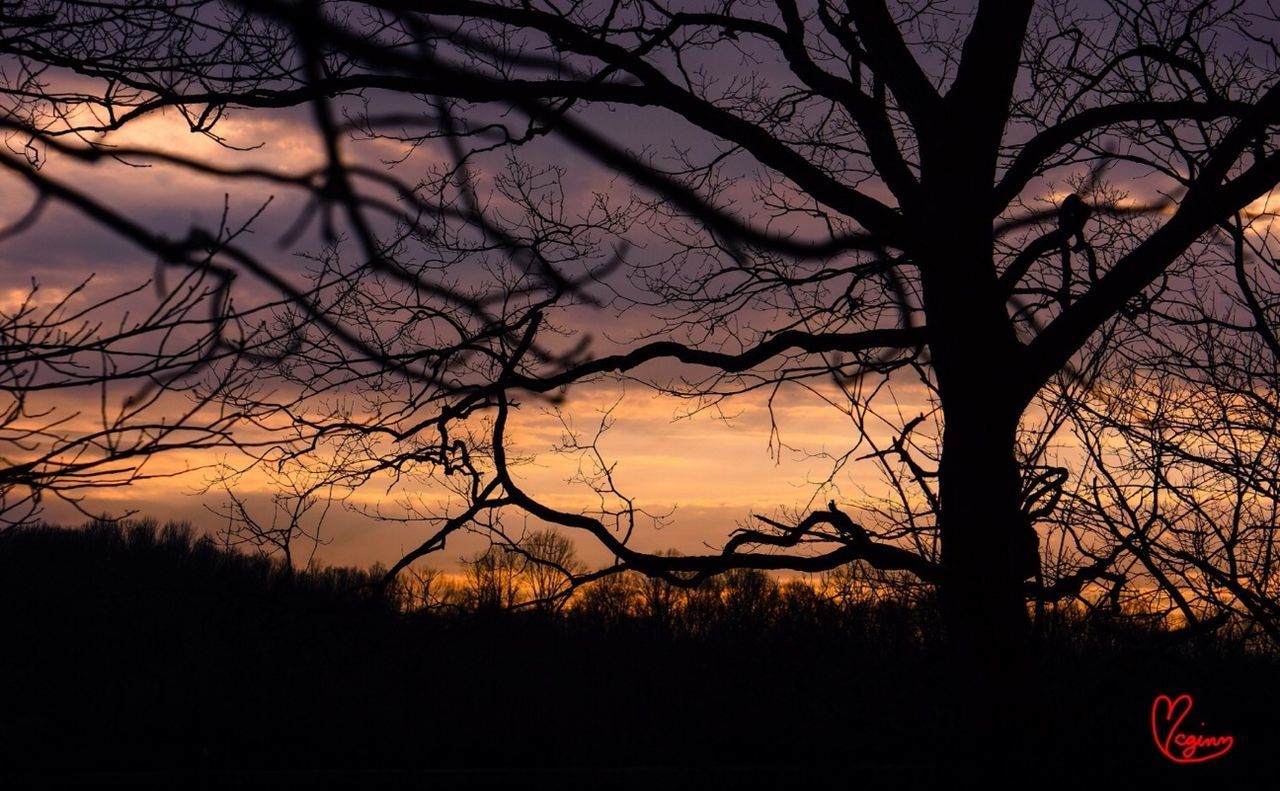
904	338
1202	209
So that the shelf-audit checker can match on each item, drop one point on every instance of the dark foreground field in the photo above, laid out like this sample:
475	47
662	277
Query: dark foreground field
139	655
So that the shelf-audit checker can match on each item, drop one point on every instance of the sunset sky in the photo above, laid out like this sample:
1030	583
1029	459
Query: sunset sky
715	467
707	470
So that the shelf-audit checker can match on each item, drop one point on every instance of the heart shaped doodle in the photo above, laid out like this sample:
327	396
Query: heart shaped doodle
1167	715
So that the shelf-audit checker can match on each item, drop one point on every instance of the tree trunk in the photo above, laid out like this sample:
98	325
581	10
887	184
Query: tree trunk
988	548
986	541
987	554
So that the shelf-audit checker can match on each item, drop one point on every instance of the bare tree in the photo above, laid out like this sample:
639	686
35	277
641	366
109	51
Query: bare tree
429	589
979	202
538	570
300	502
551	565
608	602
1182	449
494	580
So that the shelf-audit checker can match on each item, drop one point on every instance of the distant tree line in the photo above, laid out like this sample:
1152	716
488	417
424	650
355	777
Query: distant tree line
530	580
136	646
514	578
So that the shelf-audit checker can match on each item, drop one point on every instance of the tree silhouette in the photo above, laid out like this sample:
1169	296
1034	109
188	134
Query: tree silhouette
89	394
1181	449
494	580
297	514
984	202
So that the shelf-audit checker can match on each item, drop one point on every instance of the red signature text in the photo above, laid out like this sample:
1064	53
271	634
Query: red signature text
1178	745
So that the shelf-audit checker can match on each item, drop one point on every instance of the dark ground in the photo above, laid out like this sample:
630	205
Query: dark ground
138	657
